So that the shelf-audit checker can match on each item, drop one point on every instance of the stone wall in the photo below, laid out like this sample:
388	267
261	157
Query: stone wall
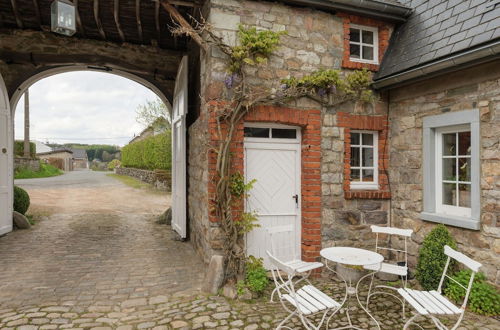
474	88
200	229
315	40
27	163
153	178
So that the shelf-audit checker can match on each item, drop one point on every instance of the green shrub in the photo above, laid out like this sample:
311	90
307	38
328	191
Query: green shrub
256	275
19	149
21	200
46	170
114	164
484	298
431	259
152	153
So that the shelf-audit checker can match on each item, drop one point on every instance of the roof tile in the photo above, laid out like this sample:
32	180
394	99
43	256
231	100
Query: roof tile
461	24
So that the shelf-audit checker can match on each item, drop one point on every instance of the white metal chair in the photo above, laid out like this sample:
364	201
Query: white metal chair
387	267
304	302
431	303
289	255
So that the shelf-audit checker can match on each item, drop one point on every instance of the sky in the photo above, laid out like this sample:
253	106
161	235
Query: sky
83	107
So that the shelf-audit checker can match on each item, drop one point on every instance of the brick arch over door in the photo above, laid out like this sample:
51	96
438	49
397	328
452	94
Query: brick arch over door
310	123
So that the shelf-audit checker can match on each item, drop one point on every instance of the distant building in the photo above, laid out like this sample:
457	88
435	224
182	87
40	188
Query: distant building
80	159
62	159
41	147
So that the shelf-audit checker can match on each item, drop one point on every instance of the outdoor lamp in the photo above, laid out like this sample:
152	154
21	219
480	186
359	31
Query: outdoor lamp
63	17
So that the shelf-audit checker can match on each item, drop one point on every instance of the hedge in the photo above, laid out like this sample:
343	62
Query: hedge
154	152
19	149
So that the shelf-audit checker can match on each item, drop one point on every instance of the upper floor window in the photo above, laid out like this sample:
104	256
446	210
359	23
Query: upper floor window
363	44
364	160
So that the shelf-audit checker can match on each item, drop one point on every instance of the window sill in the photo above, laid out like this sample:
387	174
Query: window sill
355	60
366	186
451	220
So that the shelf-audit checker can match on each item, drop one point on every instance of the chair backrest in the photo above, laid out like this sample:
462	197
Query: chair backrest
279	265
284	284
282	241
464	260
405	233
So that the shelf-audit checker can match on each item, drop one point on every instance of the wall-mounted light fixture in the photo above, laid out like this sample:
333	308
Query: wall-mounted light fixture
63	17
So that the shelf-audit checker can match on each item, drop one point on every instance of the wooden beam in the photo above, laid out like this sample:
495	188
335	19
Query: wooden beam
184	3
183	23
157	21
16	14
37	13
116	14
98	19
79	24
138	18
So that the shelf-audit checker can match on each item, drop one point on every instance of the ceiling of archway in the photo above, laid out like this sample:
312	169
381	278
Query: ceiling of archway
133	21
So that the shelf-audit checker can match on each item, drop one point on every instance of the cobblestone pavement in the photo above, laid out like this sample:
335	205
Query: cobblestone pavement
194	312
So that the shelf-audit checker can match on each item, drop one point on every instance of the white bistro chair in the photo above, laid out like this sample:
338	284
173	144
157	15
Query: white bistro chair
390	267
432	303
282	247
304	302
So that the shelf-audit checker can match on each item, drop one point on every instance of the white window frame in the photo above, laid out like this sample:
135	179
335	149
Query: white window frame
440	207
366	185
433	127
360	43
298	136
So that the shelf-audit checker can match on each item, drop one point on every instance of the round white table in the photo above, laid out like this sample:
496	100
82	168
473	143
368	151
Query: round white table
352	257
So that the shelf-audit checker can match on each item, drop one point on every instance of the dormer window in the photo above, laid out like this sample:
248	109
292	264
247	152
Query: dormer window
363	44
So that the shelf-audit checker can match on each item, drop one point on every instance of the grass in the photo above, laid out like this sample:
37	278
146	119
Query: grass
46	171
130	181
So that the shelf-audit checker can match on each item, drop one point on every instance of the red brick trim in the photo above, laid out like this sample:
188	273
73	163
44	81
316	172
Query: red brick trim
373	123
383	40
310	122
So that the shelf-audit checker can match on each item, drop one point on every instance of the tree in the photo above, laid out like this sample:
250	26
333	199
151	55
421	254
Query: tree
153	114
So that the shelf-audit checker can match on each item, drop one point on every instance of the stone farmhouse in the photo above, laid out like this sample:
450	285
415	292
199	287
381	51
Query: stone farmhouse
427	152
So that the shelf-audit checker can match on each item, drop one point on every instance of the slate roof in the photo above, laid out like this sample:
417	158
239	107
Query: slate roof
438	29
79	153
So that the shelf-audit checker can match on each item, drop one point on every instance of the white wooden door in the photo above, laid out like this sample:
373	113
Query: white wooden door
275	165
6	189
179	109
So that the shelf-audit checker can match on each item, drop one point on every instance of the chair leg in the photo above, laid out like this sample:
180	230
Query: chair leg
369	290
410	321
280	326
272	294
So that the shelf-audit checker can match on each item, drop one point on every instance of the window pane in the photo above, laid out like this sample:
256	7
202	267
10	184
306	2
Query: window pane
367	139
256	132
284	133
368	175
354	35
368	157
368	37
449	194
355	156
464	195
368	53
354	175
354	51
464	169
464	143
449	142
449	169
355	138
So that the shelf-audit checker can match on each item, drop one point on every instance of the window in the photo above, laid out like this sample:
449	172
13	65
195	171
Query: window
364	160
451	169
363	44
270	133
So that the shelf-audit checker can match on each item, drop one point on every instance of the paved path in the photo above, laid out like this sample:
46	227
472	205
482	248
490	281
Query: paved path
96	248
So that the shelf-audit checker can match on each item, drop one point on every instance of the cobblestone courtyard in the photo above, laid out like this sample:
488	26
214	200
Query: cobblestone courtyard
121	270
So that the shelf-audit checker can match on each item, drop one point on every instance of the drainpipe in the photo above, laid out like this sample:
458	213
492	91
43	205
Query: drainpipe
471	57
373	8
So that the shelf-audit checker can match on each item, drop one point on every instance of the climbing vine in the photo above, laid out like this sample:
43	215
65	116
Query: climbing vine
328	87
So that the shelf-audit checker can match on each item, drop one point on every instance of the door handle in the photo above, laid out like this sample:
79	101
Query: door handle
4	150
296	197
